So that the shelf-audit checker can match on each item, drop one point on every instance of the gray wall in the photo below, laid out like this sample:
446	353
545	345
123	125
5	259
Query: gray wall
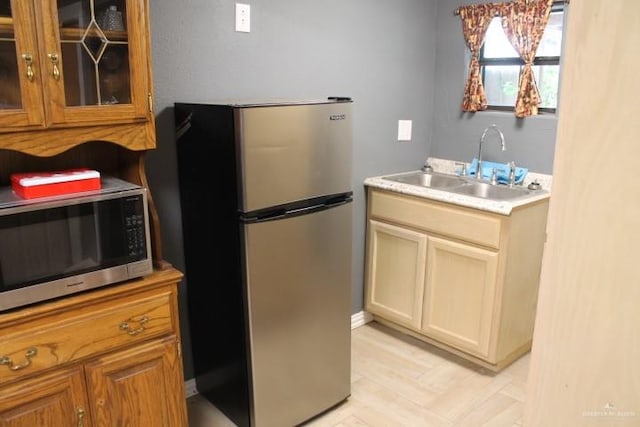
379	52
530	142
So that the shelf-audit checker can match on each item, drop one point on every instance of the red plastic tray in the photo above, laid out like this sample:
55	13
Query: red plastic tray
46	184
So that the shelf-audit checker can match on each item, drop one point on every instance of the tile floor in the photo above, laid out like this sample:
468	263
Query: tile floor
400	381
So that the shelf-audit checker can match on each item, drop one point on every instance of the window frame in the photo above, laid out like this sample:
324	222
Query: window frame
557	6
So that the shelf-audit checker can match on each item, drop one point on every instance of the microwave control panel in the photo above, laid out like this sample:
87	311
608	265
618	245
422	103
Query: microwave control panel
135	226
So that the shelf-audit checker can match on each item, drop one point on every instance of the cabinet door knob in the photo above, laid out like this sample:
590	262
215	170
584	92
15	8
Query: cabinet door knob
80	414
55	72
28	59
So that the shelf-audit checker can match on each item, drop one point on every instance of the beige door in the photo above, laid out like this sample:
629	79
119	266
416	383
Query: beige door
395	273
459	294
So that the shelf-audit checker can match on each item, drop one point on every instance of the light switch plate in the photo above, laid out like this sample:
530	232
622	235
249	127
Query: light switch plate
243	18
404	130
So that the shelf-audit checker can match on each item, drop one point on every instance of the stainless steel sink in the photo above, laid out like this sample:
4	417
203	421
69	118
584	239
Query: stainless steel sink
485	190
424	179
460	185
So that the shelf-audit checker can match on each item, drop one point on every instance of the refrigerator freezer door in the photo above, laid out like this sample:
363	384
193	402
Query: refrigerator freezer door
292	152
298	277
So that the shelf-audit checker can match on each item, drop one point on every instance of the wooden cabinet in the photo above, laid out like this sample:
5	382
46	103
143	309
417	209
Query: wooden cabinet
71	73
102	358
56	399
460	290
397	259
460	278
76	91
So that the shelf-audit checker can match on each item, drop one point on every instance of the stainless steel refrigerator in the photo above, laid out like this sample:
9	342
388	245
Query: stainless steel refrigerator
266	202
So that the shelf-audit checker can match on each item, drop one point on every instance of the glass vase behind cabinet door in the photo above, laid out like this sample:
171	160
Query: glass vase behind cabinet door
21	104
97	59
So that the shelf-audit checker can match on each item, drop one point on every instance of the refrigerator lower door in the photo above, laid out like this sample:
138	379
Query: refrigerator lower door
298	275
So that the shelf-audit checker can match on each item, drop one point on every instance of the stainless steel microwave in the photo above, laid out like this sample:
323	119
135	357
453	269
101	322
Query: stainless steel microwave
55	246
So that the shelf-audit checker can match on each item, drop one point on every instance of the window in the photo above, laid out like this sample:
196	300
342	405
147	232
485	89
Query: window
500	64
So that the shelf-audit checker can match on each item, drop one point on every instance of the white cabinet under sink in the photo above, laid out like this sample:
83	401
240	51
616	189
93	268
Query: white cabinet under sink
461	278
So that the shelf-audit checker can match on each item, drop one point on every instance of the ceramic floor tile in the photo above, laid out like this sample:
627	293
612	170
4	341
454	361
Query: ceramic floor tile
397	380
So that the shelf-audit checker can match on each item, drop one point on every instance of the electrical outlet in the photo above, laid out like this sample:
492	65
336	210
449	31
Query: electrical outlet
404	130
243	18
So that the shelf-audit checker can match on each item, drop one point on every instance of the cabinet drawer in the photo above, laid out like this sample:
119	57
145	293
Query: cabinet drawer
84	332
458	222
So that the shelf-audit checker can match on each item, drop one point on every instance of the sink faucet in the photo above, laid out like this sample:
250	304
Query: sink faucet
496	129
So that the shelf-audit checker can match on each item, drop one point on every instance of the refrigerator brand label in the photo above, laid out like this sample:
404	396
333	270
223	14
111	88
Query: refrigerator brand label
337	117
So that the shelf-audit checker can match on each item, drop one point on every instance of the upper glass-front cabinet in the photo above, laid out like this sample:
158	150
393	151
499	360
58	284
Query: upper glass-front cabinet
94	51
73	62
21	101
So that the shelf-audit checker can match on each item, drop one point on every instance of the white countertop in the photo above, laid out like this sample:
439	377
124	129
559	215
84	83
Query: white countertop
503	207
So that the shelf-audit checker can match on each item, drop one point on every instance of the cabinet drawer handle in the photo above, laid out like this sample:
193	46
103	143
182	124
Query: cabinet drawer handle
53	57
6	360
124	326
28	59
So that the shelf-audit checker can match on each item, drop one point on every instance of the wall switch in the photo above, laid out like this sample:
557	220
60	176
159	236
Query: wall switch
404	130
243	18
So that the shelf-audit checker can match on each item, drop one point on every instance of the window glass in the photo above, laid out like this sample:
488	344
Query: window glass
551	42
501	84
496	44
500	64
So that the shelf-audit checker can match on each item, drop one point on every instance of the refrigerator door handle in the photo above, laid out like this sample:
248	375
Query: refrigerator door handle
338	202
327	205
304	210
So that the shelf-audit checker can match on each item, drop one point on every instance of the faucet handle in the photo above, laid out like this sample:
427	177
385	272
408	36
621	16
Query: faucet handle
494	176
512	173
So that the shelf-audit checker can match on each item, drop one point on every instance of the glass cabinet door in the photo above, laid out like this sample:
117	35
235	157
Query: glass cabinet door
95	59
20	91
94	52
10	97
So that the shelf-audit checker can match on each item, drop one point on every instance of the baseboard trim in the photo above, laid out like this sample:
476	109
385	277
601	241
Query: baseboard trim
358	319
190	387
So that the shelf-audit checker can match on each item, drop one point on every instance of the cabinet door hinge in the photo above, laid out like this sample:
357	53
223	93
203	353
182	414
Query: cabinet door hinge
150	99
179	349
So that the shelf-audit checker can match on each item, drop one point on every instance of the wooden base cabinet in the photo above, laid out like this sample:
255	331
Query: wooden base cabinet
105	358
396	272
460	278
460	290
57	399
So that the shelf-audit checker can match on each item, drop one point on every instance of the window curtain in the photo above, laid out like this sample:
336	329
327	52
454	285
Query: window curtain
475	21
524	22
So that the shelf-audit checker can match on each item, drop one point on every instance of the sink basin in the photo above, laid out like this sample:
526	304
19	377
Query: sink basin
466	186
424	179
493	192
